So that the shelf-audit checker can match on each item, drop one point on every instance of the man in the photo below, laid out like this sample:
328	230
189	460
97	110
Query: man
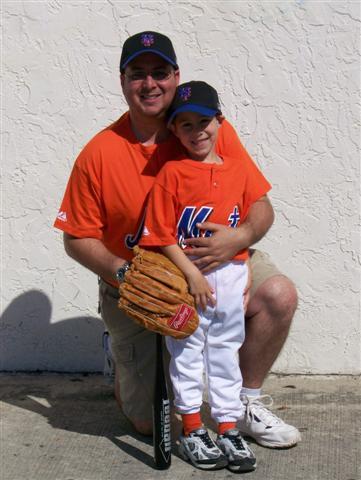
102	218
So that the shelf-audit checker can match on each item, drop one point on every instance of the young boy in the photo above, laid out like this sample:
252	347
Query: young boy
198	187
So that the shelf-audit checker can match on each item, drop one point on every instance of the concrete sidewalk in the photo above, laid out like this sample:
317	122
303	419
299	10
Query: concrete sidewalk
68	427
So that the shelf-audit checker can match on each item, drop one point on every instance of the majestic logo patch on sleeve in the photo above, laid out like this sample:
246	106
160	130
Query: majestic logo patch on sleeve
62	216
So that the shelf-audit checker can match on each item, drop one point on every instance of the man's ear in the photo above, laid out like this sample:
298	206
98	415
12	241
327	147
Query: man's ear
122	78
177	76
220	118
172	128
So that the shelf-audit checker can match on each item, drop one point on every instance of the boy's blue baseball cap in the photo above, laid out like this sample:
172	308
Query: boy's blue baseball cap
148	42
194	96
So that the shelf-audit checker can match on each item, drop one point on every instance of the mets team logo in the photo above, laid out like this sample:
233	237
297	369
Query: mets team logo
185	93
147	39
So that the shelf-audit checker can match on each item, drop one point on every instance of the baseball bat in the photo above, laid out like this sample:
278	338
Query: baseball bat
161	413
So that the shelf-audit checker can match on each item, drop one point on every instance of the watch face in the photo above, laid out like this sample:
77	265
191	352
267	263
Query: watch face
121	272
120	275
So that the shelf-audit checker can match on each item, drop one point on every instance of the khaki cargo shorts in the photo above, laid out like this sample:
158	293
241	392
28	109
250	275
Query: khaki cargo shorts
134	348
262	268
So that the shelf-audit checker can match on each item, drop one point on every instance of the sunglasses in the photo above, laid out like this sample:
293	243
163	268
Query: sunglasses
157	75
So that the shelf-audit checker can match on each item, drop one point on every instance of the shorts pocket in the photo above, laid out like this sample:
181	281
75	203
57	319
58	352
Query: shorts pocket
123	354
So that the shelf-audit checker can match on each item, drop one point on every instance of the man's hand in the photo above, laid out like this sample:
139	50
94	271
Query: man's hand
215	250
225	242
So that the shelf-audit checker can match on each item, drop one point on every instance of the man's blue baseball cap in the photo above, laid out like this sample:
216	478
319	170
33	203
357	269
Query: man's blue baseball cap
194	96
148	42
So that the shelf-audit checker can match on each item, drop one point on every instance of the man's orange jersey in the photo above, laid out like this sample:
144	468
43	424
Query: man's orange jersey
187	192
112	177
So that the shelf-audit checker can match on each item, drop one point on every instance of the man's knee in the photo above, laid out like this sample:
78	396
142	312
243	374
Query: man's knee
279	296
144	427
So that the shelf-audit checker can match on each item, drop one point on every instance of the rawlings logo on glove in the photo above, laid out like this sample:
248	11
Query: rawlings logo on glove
155	294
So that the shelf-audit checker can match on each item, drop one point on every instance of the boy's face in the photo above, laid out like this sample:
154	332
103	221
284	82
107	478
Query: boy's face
197	133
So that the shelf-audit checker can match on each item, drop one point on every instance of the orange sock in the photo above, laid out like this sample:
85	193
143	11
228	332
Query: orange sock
191	421
224	426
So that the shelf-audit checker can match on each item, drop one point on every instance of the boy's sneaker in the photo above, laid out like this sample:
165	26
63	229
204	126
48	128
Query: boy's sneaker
109	365
240	456
199	449
264	426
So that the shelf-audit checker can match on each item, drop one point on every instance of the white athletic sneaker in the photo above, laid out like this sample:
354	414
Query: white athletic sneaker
199	449
240	456
264	426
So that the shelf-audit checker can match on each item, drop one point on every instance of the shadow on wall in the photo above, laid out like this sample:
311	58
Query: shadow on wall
29	342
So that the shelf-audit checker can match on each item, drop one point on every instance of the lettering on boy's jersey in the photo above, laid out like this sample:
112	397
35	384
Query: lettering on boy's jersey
234	217
186	227
133	240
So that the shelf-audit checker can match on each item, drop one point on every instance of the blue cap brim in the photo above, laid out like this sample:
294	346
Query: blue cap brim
191	107
148	50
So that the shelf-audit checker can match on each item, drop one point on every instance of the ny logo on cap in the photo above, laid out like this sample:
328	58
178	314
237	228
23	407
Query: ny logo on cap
185	93
147	39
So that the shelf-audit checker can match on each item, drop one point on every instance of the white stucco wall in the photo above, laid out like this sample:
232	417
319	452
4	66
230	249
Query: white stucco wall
288	77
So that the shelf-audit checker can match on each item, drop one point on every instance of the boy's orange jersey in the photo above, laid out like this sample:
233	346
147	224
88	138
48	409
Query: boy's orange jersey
187	192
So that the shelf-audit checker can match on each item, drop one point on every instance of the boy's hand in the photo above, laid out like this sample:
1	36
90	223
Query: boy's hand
200	289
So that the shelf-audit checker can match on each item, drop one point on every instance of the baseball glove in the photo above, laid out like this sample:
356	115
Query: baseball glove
155	294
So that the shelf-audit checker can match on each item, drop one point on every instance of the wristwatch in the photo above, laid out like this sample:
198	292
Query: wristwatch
122	271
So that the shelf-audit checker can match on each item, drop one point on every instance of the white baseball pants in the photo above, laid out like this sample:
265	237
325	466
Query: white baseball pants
213	349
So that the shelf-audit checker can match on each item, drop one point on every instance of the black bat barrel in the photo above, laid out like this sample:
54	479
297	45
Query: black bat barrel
161	414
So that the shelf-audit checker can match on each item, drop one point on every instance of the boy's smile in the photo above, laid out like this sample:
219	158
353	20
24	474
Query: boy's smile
198	134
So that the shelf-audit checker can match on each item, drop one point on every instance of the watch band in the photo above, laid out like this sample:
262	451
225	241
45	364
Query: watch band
122	271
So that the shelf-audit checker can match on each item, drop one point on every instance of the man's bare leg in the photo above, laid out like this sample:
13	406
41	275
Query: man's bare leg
269	316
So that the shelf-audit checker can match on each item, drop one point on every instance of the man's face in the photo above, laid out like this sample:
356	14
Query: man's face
149	85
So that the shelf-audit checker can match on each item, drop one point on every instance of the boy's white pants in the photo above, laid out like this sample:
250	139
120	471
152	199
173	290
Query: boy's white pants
213	348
